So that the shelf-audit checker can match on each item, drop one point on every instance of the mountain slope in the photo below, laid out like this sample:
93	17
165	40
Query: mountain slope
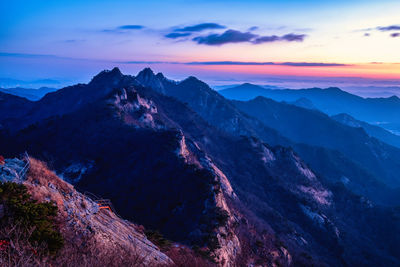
31	94
372	130
167	168
223	114
213	108
332	101
377	157
91	235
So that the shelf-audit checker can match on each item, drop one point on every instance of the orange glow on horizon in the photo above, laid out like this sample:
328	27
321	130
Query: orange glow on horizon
369	70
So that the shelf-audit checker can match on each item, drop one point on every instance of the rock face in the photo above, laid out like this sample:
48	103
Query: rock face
80	215
202	174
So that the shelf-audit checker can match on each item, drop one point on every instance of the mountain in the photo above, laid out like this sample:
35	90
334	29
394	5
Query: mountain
372	130
31	94
331	101
214	108
92	236
245	91
303	103
224	115
184	160
377	157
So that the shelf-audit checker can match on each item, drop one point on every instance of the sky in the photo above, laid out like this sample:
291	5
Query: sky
286	43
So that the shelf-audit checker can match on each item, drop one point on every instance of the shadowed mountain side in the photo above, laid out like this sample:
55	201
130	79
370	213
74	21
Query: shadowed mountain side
317	129
223	114
371	130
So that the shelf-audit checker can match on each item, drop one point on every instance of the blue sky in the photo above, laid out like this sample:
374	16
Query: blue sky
72	40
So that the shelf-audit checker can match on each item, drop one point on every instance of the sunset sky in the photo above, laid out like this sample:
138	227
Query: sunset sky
221	42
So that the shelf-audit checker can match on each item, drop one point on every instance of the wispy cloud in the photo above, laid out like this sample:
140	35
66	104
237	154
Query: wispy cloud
253	63
229	36
291	37
389	28
293	64
242	63
200	27
395	34
130	27
175	35
23	55
123	29
266	39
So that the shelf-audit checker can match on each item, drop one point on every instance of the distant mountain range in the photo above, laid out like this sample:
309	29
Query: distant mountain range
332	101
247	182
31	94
372	130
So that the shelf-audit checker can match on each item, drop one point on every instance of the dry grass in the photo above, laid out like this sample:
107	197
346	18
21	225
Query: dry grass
183	256
39	173
85	252
82	248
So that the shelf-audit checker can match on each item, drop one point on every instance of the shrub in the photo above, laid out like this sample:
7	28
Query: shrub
158	239
21	209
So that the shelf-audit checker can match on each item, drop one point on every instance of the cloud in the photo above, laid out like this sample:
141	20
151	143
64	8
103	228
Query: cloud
389	28
291	37
233	36
313	64
266	39
253	28
229	36
174	35
367	34
293	64
131	27
241	63
124	29
395	34
200	27
23	55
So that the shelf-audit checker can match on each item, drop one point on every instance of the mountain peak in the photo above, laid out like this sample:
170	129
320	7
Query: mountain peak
146	72
147	78
249	86
193	80
334	89
160	76
107	75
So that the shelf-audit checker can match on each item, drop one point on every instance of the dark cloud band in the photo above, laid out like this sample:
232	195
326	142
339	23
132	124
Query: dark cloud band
200	27
175	35
233	36
130	27
229	36
389	28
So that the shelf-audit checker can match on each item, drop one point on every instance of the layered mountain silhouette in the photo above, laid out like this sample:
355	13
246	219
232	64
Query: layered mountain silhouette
372	130
240	179
28	93
331	101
